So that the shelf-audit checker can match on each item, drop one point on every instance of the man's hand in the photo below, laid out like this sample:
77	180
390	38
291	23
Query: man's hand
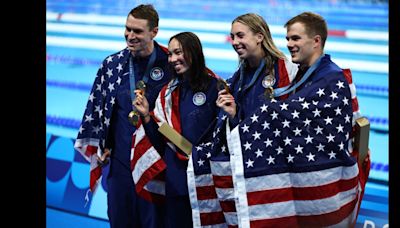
103	160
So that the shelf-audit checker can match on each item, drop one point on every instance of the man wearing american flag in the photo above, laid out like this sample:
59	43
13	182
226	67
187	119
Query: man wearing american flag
291	162
106	131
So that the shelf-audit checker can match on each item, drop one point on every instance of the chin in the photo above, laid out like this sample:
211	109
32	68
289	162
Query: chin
132	49
295	60
242	56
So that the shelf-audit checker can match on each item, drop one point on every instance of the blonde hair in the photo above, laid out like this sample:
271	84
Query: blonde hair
257	24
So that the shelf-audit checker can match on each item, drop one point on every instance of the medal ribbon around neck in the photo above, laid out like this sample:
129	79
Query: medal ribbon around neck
253	79
285	90
133	115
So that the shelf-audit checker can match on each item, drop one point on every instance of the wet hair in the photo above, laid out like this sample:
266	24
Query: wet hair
146	12
314	24
197	74
257	24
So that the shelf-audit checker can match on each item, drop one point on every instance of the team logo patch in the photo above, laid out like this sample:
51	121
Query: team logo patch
156	73
268	81
199	98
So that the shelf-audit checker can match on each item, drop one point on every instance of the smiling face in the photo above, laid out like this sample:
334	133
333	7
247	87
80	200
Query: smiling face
138	36
176	57
245	42
303	48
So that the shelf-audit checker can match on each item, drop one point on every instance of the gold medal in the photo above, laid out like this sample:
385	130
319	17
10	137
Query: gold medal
221	84
133	117
141	85
269	93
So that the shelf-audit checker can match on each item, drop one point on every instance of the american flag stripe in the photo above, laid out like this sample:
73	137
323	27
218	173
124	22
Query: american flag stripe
287	72
355	107
147	164
290	73
354	100
159	111
206	192
324	192
93	131
305	193
225	192
95	174
222	182
175	114
283	73
236	160
305	207
228	206
304	179
263	206
206	210
336	217
89	149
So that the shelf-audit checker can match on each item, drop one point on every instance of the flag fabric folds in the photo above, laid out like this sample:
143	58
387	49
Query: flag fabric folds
90	142
146	163
290	164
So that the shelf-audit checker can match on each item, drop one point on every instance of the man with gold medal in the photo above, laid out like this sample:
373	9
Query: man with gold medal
110	119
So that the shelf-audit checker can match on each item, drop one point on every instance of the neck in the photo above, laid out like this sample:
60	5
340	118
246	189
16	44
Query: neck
255	60
313	59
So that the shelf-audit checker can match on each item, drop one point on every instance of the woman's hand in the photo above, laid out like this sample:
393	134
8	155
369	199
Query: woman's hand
226	102
142	105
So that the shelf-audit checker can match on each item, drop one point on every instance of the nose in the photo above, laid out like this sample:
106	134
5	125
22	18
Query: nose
289	44
172	58
235	41
130	34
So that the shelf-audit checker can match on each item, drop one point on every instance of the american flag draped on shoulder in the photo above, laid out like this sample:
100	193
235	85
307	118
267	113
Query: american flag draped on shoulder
210	187
290	164
146	163
91	138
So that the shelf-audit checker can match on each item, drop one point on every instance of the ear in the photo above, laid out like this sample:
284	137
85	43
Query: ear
154	31
317	41
259	37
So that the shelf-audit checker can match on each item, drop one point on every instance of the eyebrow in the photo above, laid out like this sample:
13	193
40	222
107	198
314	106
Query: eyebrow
174	50
134	29
240	33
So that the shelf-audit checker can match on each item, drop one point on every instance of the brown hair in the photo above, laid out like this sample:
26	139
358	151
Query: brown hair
146	12
314	25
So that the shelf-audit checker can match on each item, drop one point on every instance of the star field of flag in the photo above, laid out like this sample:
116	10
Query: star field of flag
295	156
301	135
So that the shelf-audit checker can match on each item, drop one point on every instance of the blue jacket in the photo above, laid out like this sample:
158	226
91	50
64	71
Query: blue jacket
195	121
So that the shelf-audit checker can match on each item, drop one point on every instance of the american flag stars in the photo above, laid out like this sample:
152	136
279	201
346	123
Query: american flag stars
304	129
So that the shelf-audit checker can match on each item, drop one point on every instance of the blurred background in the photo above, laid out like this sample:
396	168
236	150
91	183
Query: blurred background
81	33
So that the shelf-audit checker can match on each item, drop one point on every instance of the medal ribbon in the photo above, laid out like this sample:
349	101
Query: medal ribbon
285	90
253	79
145	76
